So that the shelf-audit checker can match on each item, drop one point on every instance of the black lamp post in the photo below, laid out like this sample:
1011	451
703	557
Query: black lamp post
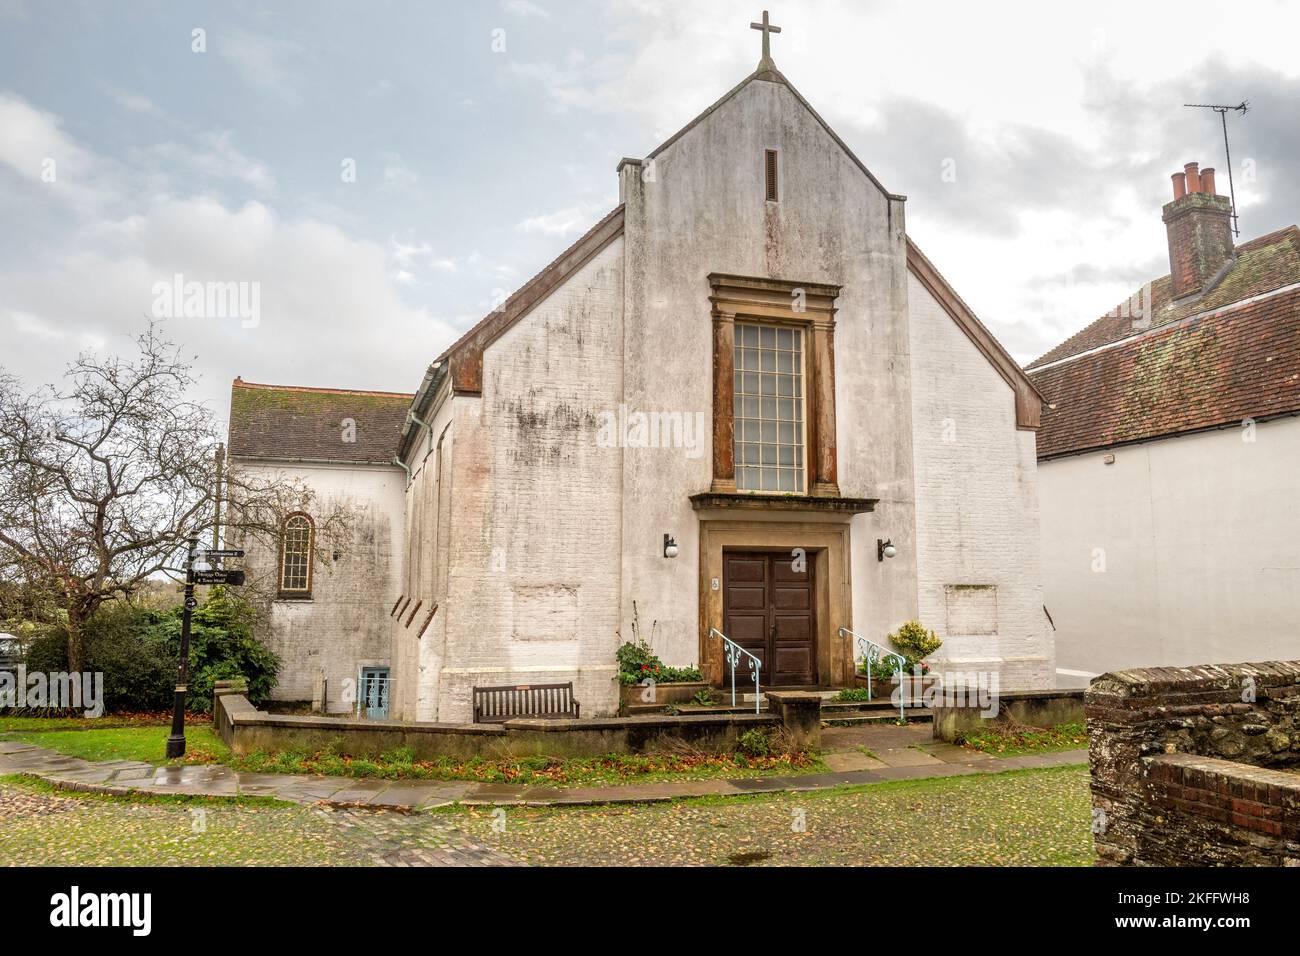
176	742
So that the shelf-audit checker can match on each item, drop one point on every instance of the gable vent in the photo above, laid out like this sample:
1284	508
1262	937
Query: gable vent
769	167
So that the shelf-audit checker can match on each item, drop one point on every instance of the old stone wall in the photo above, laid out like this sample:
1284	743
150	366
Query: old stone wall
1196	765
247	730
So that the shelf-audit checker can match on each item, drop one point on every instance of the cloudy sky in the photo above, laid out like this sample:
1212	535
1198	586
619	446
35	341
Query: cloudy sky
484	138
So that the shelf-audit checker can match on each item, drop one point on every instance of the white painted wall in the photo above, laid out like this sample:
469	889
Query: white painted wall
344	626
418	657
534	534
1199	540
977	535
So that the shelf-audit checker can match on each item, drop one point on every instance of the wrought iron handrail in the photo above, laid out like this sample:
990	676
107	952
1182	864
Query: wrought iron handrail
872	652
735	653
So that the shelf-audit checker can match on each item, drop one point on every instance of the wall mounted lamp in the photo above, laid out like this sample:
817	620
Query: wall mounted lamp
670	546
885	549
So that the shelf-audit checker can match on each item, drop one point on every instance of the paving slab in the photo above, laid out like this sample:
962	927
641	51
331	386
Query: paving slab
952	753
852	761
908	757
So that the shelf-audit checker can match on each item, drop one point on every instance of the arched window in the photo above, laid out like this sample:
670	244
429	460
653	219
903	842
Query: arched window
297	539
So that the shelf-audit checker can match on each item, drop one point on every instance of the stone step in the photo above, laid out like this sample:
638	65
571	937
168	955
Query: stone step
915	715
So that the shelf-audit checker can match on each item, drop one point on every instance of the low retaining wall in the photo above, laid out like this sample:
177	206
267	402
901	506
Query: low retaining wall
1038	708
245	729
1196	766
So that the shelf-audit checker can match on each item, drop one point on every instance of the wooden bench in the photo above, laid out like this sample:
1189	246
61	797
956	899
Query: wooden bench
496	705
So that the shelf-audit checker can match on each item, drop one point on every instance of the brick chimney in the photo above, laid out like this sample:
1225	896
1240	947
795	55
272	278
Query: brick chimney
1199	224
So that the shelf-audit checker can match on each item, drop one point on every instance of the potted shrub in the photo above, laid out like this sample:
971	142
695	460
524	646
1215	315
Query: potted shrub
914	643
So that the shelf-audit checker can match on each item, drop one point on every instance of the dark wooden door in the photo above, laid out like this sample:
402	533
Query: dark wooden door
768	610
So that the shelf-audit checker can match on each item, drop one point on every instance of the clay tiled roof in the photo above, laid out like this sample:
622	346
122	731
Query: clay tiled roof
288	422
1232	354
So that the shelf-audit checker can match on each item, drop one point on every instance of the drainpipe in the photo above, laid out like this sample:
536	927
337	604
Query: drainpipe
412	417
401	462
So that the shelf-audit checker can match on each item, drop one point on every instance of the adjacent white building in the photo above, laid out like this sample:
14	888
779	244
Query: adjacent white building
1169	455
710	413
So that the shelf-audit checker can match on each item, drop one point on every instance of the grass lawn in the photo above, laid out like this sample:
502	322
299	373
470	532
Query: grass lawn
145	743
95	740
1011	743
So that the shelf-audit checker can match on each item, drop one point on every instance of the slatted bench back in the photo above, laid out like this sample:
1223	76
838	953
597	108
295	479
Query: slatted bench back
496	705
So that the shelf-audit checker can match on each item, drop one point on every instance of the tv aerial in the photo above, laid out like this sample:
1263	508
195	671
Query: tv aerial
1243	107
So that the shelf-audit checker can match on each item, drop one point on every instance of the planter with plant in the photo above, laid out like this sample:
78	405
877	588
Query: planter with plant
646	680
914	643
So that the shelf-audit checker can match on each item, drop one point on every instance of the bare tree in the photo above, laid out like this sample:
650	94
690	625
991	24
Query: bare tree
102	482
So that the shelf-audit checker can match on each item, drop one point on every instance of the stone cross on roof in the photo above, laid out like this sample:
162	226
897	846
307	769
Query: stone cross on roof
768	30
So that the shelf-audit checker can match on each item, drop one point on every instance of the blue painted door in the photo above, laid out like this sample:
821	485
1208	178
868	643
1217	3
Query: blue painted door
374	692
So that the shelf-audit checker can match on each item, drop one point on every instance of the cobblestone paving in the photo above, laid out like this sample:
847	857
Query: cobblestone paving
1037	817
41	829
44	829
391	838
1034	818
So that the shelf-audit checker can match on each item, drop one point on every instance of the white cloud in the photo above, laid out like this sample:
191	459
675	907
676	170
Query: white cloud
570	221
263	62
34	145
330	312
212	155
525	8
134	102
398	175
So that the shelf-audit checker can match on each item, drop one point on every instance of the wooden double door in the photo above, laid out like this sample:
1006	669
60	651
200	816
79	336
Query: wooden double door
769	610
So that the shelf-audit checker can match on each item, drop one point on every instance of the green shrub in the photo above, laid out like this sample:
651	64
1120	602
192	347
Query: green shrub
853	694
139	671
754	743
637	662
48	652
222	647
915	643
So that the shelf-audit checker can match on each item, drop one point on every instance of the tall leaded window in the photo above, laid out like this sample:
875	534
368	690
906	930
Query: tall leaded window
769	408
295	556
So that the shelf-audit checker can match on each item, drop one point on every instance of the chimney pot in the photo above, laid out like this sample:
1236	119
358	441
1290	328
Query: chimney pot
1199	230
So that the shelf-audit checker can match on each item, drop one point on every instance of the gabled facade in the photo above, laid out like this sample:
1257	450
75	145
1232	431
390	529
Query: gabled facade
749	359
710	415
325	617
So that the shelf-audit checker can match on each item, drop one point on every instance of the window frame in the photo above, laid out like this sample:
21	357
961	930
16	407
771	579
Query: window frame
759	301
296	594
803	399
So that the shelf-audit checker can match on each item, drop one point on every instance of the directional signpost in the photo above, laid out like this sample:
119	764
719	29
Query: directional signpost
198	570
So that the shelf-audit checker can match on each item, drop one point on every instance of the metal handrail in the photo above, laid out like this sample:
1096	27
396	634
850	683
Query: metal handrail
872	652
734	652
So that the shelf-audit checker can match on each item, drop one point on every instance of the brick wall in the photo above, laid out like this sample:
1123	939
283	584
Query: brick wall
1196	765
